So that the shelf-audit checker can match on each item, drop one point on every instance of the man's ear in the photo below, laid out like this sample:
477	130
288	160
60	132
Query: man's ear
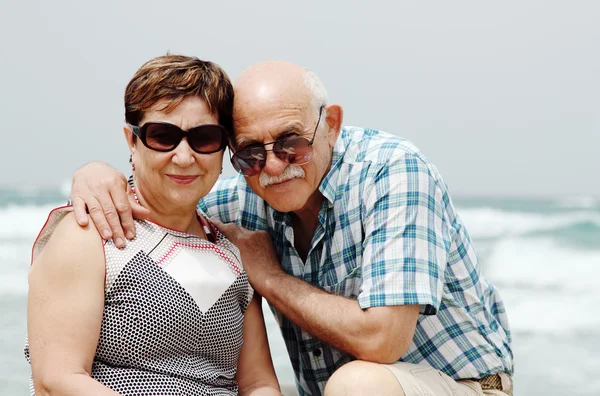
334	119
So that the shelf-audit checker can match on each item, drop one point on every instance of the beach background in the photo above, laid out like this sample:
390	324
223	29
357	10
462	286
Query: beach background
501	96
542	254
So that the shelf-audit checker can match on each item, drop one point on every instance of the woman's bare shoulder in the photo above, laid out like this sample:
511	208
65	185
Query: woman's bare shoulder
72	248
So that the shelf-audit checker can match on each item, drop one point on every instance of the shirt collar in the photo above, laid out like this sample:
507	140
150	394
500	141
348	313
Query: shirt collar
330	182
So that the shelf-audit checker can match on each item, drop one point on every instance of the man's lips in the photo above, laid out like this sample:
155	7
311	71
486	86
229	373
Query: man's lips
281	183
180	179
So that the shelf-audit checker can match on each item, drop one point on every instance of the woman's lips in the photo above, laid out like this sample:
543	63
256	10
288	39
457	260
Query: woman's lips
182	179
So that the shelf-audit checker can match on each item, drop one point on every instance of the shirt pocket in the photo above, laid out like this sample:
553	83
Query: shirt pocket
348	286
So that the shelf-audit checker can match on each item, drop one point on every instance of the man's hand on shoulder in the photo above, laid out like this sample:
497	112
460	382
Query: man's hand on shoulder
258	255
109	200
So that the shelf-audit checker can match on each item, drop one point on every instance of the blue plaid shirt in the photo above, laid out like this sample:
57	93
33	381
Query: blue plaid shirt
388	234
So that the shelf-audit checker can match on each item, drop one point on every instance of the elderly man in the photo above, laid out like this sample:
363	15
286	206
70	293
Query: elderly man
351	236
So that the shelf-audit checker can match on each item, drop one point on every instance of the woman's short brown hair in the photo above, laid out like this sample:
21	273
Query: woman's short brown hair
172	78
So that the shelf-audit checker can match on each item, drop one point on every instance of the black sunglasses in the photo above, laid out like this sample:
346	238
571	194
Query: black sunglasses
295	150
162	136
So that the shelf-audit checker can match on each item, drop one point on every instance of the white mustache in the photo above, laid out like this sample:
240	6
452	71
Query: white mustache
290	172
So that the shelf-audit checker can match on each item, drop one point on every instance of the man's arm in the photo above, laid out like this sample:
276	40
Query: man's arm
105	194
64	311
379	334
402	269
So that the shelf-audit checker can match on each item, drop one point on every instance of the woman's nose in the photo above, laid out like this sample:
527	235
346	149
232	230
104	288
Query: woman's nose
183	154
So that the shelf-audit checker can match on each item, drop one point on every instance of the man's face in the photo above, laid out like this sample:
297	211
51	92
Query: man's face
285	187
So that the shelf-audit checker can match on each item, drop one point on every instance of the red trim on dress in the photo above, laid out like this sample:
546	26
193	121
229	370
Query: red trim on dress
209	246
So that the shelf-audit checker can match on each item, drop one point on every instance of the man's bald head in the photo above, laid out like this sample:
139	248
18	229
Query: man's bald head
277	83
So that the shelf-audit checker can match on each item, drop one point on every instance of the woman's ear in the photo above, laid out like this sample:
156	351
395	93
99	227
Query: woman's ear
130	138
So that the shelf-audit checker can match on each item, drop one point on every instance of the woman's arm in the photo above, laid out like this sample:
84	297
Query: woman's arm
255	373
64	311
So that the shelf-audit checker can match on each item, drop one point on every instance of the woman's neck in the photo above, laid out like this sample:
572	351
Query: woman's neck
179	218
187	223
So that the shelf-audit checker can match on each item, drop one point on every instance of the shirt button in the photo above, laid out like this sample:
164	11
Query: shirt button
317	352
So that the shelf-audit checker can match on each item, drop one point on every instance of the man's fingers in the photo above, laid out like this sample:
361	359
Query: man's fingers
97	215
216	222
114	221
230	230
112	218
96	185
80	212
123	209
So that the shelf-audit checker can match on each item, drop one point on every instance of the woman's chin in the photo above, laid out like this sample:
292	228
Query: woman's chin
185	200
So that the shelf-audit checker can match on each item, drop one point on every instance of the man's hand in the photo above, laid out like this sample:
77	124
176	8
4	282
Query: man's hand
109	201
258	255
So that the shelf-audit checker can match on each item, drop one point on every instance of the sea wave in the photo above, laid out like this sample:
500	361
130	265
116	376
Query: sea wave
546	288
14	266
18	223
494	223
32	195
13	283
579	202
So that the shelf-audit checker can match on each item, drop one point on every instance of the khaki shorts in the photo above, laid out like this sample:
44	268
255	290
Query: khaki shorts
423	380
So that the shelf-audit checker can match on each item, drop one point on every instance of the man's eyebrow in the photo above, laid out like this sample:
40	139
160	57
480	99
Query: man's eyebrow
291	129
245	142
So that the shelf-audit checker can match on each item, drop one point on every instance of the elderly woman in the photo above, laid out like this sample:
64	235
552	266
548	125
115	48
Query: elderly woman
172	313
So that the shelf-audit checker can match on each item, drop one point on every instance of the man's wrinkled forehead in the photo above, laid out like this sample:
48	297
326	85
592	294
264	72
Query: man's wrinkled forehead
260	125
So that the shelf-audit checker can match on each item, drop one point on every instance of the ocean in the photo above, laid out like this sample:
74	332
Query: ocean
542	254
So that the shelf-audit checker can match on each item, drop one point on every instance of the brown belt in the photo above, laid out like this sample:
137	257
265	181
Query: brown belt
493	381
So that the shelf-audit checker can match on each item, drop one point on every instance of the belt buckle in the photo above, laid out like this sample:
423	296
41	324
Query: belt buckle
493	381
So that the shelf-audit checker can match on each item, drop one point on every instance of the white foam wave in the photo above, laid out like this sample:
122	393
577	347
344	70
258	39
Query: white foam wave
579	202
490	222
23	222
18	222
14	284
65	187
14	266
546	288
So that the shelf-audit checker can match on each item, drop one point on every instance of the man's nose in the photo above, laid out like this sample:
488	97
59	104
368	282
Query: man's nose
273	165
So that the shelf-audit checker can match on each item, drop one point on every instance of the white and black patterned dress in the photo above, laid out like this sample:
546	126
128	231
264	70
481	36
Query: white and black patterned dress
173	312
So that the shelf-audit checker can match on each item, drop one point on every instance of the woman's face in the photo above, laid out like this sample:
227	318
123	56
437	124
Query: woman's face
174	181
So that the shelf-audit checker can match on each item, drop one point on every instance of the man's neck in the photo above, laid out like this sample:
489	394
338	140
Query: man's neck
305	222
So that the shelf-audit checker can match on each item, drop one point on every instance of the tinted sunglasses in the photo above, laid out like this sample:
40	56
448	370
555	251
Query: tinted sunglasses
162	136
295	150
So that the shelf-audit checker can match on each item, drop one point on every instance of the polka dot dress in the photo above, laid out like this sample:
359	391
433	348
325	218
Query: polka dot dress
173	314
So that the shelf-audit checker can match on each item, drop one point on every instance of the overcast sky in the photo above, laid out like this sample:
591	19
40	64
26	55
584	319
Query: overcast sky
504	98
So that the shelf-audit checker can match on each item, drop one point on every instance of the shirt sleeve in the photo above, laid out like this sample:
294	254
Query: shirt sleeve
404	250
